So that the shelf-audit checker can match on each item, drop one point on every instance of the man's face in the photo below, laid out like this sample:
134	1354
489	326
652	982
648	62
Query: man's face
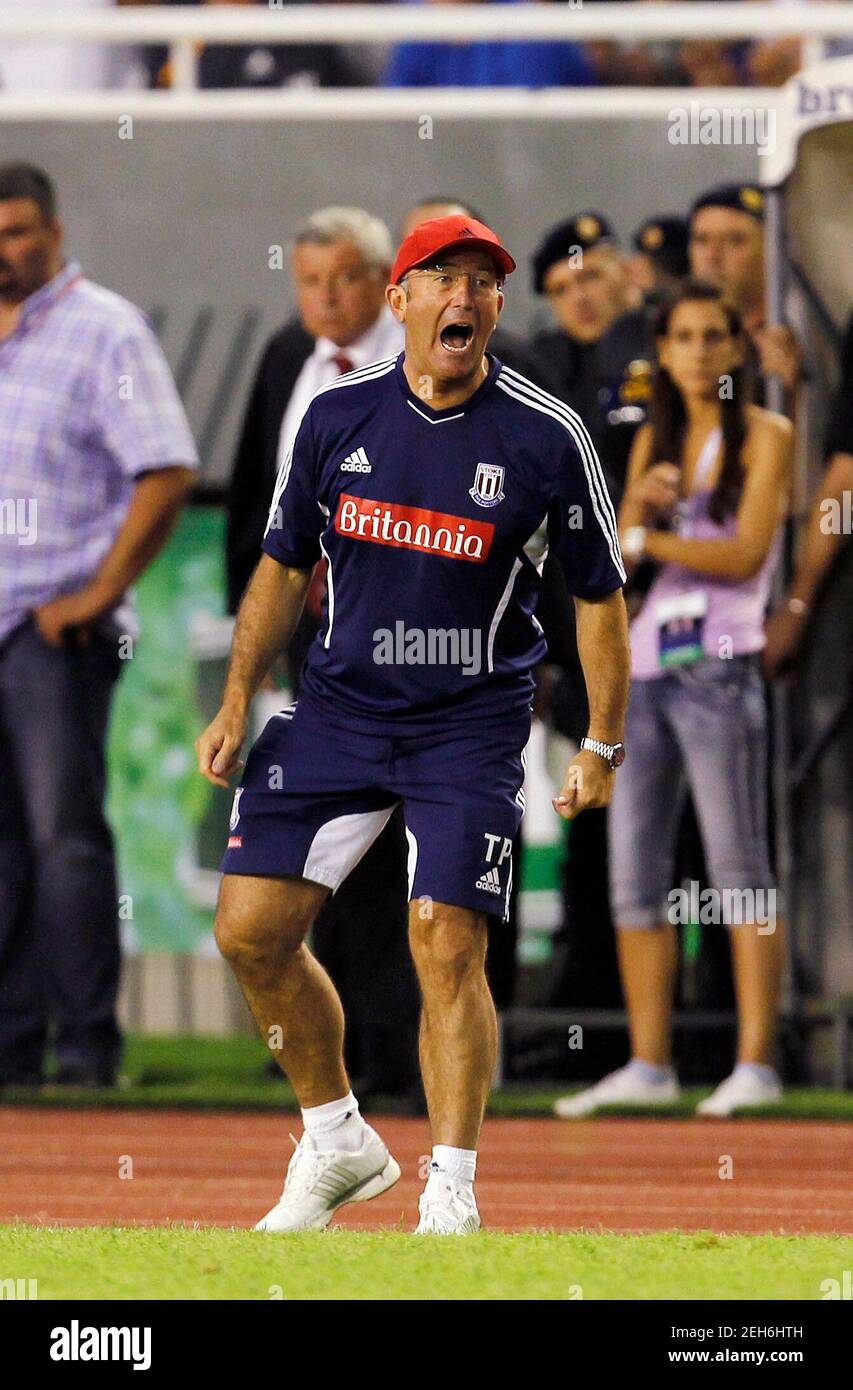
450	314
588	292
727	249
340	296
29	249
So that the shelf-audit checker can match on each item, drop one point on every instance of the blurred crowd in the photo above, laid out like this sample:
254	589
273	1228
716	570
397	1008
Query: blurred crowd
525	63
702	481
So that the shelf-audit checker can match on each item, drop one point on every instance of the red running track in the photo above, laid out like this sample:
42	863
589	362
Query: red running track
61	1167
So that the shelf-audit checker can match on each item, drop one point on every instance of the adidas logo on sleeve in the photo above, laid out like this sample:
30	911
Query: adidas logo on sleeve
357	462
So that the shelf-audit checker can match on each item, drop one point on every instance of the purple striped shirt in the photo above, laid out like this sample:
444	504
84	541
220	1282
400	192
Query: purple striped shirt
87	404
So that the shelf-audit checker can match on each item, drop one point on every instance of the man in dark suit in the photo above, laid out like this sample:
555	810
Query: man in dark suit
340	263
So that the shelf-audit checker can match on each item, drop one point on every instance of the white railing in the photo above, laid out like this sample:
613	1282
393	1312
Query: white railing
355	23
182	30
384	104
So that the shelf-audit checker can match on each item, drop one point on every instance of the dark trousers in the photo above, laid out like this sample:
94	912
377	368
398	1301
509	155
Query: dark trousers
59	945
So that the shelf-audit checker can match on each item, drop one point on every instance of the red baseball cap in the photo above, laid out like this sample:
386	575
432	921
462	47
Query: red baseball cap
442	233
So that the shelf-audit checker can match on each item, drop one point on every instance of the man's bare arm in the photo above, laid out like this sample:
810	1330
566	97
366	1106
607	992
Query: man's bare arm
605	653
266	622
602	633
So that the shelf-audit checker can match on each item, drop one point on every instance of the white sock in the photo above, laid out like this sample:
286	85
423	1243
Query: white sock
649	1071
759	1070
336	1125
456	1163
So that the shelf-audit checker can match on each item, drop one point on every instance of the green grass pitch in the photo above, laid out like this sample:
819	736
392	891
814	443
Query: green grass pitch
185	1264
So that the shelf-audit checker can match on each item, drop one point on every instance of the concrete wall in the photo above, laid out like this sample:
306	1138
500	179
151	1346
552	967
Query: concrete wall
180	218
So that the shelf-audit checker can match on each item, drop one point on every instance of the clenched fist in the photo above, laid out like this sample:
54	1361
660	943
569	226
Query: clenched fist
588	784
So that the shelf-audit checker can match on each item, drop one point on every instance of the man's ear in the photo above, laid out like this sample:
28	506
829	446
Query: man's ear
396	297
501	302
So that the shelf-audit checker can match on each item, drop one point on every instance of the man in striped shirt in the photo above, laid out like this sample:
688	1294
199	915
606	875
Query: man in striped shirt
96	458
433	483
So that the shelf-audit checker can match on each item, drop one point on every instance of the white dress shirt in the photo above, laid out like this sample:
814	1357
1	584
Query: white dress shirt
384	338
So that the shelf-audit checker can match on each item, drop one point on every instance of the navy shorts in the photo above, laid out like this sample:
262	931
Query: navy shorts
317	790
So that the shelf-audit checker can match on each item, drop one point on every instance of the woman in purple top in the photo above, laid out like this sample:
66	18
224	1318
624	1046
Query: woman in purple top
708	487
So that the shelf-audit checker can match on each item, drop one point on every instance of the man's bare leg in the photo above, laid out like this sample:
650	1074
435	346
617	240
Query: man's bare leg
458	1039
261	924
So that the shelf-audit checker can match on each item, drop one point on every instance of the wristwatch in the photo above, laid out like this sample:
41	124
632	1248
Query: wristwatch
612	753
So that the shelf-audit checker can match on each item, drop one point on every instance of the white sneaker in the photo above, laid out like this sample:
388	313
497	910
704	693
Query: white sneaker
447	1207
622	1087
741	1090
318	1183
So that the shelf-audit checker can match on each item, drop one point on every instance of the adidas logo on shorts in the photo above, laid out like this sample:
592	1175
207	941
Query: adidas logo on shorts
489	882
357	462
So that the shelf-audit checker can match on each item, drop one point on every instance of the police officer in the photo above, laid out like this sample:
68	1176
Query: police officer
581	271
727	248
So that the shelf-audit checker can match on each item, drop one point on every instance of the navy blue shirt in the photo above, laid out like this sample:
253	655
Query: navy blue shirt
435	525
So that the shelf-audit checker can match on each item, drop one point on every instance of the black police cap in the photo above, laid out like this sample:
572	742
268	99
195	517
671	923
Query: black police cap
741	197
584	231
664	240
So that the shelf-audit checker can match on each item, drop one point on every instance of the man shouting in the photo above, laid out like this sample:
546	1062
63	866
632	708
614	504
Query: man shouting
433	483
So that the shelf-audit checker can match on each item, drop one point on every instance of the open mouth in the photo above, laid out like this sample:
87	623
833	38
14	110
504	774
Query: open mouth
456	337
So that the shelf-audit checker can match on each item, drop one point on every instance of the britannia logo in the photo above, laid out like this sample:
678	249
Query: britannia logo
414	528
235	809
488	485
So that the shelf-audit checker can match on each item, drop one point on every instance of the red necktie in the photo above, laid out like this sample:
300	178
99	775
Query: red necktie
317	587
